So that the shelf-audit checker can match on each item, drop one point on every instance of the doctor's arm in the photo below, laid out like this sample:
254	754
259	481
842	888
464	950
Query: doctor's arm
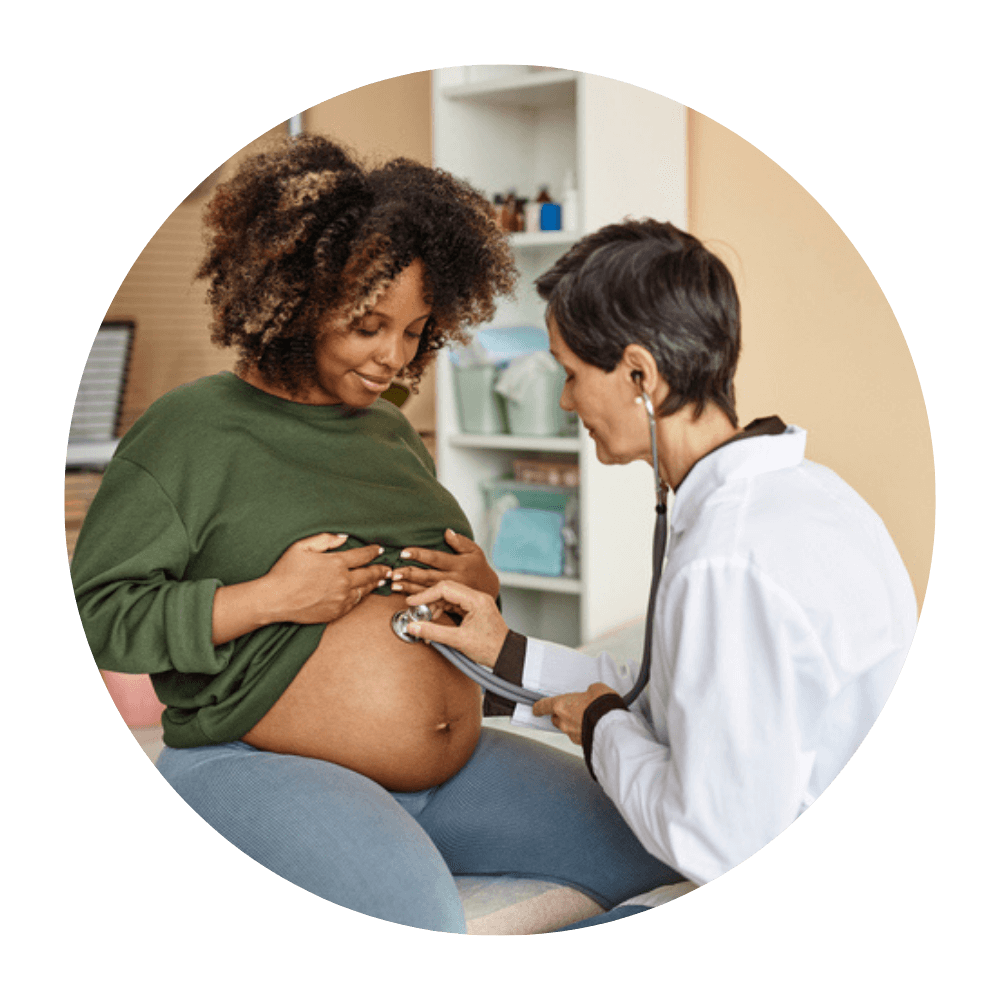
722	769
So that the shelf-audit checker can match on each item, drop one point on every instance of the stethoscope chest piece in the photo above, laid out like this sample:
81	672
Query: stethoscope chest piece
421	613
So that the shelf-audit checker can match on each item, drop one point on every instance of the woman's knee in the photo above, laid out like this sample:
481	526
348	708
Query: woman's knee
324	828
523	807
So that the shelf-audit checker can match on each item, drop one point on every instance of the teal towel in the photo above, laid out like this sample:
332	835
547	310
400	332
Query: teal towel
529	541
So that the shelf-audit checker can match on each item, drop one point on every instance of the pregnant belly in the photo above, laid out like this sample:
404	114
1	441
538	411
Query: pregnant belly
396	712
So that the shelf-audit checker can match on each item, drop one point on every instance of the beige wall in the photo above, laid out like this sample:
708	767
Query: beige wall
822	348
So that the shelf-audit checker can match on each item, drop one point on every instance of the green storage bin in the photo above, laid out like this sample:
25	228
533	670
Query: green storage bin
480	408
531	386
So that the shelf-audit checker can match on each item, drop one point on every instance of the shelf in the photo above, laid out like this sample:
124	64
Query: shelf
551	86
510	126
550	238
512	442
530	581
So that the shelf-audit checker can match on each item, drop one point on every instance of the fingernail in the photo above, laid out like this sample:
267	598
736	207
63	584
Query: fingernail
380	550
397	575
404	554
397	586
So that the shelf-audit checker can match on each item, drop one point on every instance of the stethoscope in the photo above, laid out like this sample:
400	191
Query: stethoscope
488	680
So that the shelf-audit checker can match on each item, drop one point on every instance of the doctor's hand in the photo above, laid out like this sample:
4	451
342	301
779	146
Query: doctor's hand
467	566
482	632
567	709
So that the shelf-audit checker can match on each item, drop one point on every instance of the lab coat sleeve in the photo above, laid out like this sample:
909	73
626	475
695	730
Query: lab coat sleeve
721	769
554	669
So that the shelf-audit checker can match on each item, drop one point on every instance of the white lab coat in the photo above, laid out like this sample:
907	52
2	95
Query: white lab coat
782	621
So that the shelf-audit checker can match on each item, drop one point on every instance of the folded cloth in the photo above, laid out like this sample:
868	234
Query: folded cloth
529	541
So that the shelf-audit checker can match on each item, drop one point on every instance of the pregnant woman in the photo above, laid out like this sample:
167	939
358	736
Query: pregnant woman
257	529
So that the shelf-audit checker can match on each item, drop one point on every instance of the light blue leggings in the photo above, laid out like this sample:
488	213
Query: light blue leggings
517	807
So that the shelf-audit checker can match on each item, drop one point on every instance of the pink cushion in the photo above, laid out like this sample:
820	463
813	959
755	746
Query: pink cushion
134	698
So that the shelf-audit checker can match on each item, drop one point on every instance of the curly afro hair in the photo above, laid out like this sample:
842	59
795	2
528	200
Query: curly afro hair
305	229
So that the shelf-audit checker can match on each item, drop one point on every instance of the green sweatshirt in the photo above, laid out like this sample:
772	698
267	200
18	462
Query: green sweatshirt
209	488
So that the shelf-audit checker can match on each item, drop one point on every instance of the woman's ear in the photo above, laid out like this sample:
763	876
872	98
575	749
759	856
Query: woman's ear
642	372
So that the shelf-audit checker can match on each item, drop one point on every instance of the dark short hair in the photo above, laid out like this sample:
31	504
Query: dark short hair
305	227
650	283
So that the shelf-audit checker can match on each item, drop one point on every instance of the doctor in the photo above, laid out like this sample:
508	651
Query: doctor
784	612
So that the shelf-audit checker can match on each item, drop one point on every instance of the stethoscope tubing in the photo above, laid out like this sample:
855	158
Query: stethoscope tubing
485	677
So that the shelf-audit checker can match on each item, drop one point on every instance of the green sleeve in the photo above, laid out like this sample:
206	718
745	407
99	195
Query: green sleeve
139	614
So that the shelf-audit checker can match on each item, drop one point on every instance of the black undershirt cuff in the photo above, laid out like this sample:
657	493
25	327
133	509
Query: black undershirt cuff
509	667
596	711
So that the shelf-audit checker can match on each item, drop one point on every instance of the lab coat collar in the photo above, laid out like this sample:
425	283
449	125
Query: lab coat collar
739	459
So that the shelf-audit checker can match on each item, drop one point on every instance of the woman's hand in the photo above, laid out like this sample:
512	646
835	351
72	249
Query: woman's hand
482	632
310	583
467	567
313	583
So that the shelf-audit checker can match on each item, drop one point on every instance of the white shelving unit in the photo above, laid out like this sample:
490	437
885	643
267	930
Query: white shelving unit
513	126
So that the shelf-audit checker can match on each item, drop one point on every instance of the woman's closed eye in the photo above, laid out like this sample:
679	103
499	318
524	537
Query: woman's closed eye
371	330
